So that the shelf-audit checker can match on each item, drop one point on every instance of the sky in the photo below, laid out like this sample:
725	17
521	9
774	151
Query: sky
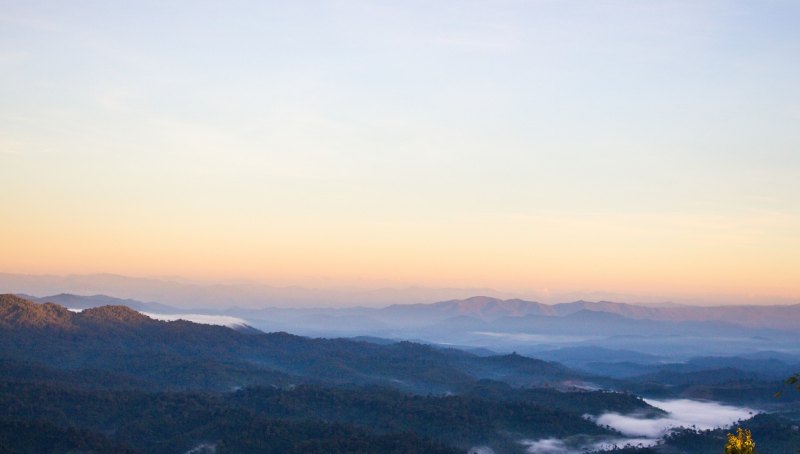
636	147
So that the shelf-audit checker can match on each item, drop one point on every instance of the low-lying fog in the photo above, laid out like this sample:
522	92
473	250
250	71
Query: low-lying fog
646	431
224	320
681	413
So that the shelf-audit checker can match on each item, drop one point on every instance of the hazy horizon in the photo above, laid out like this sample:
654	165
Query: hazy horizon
250	293
542	149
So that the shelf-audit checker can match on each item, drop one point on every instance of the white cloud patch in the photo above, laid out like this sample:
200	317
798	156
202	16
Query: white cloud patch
548	446
223	320
580	445
534	338
681	413
480	450
203	448
641	431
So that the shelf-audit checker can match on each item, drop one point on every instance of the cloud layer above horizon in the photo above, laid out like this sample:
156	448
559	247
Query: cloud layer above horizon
550	147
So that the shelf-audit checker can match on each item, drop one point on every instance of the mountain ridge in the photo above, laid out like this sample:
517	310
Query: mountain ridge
485	308
123	340
16	312
488	308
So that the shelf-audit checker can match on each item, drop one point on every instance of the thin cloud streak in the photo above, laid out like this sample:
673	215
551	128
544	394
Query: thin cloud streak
222	320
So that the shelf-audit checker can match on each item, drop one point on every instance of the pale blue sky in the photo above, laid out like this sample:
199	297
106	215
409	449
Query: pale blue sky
365	118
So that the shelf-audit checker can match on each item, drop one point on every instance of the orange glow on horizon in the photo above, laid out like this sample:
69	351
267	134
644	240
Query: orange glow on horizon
627	254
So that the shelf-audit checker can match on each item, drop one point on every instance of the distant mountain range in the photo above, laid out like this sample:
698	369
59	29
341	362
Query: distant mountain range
484	308
673	333
189	294
487	308
95	337
184	293
85	302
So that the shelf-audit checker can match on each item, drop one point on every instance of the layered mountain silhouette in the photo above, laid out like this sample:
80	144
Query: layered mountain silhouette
488	308
97	371
110	378
483	307
121	340
73	301
675	333
782	317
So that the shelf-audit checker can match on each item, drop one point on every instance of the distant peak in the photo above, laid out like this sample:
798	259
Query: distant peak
18	311
10	298
486	300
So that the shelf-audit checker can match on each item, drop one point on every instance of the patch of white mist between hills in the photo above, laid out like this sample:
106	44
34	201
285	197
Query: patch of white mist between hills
203	448
583	445
535	338
642	431
680	413
480	450
222	320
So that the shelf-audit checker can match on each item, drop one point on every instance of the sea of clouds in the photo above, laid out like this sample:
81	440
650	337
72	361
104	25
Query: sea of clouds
641	431
680	413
